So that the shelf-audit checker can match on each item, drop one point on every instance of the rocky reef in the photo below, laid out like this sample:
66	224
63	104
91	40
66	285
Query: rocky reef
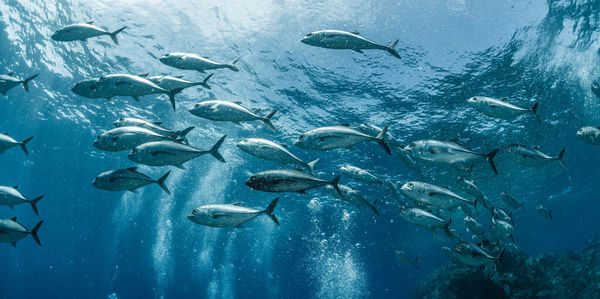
571	275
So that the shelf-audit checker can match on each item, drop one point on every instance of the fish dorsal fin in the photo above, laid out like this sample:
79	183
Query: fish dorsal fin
158	123
237	203
355	32
503	99
285	145
14	219
17	186
132	168
90	22
178	76
344	125
11	73
238	102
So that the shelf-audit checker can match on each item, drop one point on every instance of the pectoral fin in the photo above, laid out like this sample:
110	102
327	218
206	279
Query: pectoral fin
216	216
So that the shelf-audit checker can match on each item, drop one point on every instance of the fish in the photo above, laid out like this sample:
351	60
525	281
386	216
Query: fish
448	152
500	228
473	255
272	151
503	214
532	156
338	39
544	211
194	62
511	201
161	153
403	258
289	180
112	85
473	226
596	88
229	111
83	31
152	126
499	108
359	174
433	195
8	81
326	138
127	179
471	188
175	82
12	231
7	142
352	196
229	215
395	145
10	196
589	135
127	138
425	219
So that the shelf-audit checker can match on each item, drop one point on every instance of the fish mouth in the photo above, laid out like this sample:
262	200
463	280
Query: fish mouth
190	217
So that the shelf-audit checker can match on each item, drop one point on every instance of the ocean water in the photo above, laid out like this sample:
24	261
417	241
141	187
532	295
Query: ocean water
99	244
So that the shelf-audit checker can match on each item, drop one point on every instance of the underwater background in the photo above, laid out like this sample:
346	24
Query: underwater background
99	244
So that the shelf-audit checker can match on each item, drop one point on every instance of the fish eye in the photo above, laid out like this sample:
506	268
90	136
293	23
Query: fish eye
410	185
595	84
412	144
309	35
301	137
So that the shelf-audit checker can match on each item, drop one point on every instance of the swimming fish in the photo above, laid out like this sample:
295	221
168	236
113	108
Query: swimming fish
152	126
288	180
8	81
229	215
589	135
272	151
532	156
127	179
425	219
337	39
511	201
175	82
7	142
326	138
83	31
352	196
10	196
473	255
500	108
161	153
403	258
12	231
544	211
229	111
127	138
194	62
448	152
433	195
359	174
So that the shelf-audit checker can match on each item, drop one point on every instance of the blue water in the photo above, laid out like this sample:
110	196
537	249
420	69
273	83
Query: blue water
98	244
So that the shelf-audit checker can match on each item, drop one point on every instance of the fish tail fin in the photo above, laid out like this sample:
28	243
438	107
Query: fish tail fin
372	206
182	133
172	94
214	151
34	232
311	165
381	140
23	143
269	210
26	82
335	182
267	120
232	66
534	111
447	228
34	202
204	82
475	201
490	158
113	35
161	182
391	49
560	159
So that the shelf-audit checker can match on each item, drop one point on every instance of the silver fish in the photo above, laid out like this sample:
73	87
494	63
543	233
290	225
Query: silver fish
359	174
352	196
471	188
473	226
326	138
337	39
127	179
288	180
7	82
11	231
403	258
589	135
126	138
544	211
511	201
10	196
229	215
500	228
272	151
425	219
175	82
83	31
7	142
433	195
500	108
189	61
229	111
448	152
532	156
161	153
152	126
473	255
